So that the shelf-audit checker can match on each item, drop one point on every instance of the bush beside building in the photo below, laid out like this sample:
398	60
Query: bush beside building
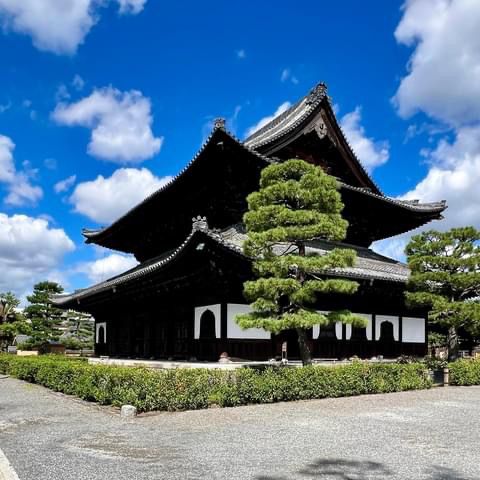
184	389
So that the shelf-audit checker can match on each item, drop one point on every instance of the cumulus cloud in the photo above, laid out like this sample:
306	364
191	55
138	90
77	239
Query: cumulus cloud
282	108
120	123
58	26
30	251
443	78
107	267
103	200
65	184
443	81
287	76
19	189
372	154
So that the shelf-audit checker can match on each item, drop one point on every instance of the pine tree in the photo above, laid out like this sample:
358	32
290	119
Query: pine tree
445	277
44	316
297	202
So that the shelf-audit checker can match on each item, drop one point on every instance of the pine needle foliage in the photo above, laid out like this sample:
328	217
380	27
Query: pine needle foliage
445	278
297	203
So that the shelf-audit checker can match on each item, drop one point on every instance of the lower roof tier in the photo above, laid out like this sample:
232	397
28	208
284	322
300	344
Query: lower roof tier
201	248
216	183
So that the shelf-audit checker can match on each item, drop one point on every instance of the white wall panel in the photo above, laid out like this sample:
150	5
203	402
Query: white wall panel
215	309
233	329
413	330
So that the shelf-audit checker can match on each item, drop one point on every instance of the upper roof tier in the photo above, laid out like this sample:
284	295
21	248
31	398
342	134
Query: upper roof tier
218	179
309	129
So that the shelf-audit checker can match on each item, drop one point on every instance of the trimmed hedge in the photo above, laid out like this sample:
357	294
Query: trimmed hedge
465	372
183	389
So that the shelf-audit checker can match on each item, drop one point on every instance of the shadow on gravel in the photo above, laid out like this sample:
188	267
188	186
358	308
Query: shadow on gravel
340	469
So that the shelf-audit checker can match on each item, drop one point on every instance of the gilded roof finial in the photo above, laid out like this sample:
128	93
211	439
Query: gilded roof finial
199	223
219	123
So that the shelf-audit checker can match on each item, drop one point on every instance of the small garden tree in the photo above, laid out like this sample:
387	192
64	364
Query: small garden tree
446	278
45	317
297	202
12	322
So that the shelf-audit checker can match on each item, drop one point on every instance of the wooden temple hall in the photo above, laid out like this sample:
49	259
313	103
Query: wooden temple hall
180	302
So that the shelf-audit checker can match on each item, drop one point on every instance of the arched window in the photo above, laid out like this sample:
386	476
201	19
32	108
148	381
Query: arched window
101	334
327	332
207	325
359	334
386	332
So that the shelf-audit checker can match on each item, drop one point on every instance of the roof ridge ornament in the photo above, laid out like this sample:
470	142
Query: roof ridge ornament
199	223
219	123
317	93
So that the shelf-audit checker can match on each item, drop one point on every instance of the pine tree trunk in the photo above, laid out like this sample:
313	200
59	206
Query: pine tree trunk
452	339
305	354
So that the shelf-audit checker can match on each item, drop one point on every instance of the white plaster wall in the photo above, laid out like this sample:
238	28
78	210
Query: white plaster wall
387	318
234	331
97	328
413	330
215	309
348	332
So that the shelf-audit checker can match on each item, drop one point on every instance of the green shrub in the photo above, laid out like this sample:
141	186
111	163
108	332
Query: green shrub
465	372
182	389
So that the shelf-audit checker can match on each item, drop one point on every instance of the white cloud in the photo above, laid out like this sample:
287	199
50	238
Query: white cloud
5	107
444	82
30	251
7	166
107	267
78	82
50	163
20	190
443	77
105	199
62	93
372	154
65	184
58	26
454	176
282	108
120	123
131	6
287	76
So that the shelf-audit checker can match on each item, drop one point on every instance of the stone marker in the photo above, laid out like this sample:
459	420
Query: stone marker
128	411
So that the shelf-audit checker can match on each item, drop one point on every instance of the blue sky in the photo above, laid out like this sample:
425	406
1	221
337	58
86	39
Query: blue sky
127	90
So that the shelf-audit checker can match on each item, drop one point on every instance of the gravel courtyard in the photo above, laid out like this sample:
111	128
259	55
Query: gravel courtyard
413	435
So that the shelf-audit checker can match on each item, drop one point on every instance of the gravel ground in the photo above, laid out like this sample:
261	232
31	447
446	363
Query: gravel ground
430	434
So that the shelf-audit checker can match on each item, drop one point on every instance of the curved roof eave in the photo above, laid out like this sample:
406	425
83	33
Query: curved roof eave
92	234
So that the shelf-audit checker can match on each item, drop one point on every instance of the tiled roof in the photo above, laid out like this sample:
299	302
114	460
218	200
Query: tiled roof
288	120
369	264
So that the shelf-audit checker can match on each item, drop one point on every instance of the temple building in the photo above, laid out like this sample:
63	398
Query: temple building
180	302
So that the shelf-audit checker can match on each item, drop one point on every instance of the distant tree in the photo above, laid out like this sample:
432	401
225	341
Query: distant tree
297	202
445	277
44	316
12	322
8	306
